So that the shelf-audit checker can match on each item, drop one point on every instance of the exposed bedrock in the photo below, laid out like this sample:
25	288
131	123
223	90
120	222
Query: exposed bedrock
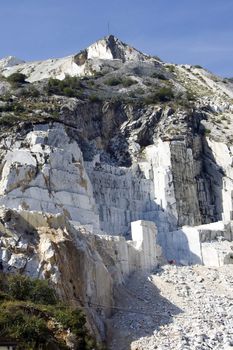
173	183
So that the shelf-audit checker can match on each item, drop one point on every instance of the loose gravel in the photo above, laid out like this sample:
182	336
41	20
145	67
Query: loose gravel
176	308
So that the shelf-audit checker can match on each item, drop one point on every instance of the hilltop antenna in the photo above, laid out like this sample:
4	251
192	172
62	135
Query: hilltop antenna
108	28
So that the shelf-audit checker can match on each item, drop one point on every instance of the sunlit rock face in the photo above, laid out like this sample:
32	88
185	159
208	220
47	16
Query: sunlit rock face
83	63
112	48
45	172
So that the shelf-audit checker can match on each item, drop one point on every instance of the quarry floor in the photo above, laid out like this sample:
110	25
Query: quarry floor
175	308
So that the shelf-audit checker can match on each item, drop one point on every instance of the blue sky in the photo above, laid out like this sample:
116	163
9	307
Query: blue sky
179	31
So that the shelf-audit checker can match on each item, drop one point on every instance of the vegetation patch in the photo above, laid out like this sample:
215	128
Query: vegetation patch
163	94
170	68
113	81
94	98
32	315
126	82
70	87
160	76
17	79
26	109
207	131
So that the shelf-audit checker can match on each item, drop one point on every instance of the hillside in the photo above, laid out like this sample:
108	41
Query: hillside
112	162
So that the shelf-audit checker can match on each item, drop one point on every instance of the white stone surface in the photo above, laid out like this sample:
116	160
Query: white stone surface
46	173
102	49
121	196
224	158
159	156
142	253
208	245
51	179
60	67
144	234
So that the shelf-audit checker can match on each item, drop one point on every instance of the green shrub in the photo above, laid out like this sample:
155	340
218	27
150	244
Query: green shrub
207	131
12	107
198	66
17	79
29	91
170	68
90	83
30	329
127	82
159	76
164	94
28	308
69	92
114	81
190	96
8	120
21	287
18	108
74	319
94	98
70	87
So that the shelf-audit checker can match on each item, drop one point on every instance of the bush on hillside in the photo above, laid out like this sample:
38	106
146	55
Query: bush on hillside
159	76
164	94
94	98
170	68
70	87
126	82
32	315
21	287
17	79
114	81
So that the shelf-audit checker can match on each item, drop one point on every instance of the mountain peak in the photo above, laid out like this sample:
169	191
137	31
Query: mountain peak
110	47
10	61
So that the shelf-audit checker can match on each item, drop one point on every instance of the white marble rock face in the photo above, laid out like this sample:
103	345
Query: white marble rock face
108	48
47	174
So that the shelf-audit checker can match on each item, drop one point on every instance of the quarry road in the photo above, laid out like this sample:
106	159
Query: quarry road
175	308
